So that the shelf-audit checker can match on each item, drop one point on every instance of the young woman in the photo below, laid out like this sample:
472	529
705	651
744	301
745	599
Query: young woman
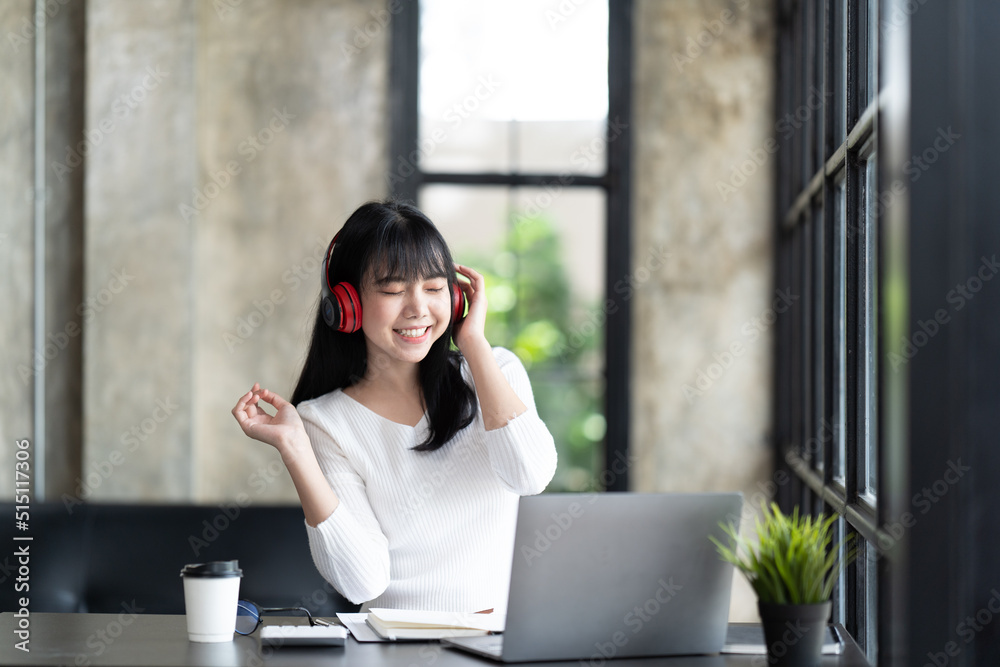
408	457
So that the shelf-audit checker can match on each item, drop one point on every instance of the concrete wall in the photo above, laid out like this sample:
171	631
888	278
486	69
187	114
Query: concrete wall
57	369
226	141
138	348
221	145
704	84
279	76
16	235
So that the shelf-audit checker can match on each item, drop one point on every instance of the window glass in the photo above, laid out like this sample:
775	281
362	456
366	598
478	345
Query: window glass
839	315
541	251
821	83
827	398
513	86
870	587
869	294
839	612
819	438
839	110
870	30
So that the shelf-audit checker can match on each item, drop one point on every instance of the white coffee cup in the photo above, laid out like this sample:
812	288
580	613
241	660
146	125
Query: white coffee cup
211	591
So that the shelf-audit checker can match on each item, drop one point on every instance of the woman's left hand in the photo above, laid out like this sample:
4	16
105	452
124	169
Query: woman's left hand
472	329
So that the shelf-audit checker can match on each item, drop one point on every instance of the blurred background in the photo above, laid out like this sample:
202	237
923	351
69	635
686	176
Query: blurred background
700	223
198	155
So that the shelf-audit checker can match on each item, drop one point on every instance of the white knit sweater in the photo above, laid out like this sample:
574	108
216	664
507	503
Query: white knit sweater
424	530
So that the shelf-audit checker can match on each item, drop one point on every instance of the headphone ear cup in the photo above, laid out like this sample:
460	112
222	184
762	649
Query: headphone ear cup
331	314
458	303
346	305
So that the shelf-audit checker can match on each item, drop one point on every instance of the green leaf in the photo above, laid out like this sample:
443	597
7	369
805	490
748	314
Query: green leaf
793	560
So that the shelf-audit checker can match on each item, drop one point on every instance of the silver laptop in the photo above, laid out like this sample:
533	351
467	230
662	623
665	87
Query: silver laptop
614	575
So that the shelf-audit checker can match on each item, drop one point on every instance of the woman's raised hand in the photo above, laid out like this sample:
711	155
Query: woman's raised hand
280	430
473	327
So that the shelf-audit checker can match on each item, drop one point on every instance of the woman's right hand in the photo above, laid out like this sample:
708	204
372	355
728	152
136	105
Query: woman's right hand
282	430
285	432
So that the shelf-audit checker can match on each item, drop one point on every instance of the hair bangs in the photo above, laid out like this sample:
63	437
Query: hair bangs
407	252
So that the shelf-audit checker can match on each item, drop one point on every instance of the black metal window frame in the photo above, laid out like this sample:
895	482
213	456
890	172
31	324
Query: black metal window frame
615	181
826	245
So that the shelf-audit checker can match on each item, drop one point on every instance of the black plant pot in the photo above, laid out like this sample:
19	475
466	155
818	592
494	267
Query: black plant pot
794	632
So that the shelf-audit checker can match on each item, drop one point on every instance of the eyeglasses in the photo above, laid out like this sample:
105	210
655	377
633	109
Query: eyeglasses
248	616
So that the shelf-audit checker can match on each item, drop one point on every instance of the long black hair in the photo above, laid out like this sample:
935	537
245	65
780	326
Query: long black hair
390	238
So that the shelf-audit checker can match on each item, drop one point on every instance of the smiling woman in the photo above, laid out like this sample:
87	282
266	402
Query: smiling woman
385	406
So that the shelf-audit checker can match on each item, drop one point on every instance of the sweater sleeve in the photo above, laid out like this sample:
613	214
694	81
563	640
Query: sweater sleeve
349	548
522	453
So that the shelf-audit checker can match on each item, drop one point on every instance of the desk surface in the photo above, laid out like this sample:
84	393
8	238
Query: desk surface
151	640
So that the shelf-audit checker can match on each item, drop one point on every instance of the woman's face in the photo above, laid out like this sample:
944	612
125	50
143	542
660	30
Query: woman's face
401	320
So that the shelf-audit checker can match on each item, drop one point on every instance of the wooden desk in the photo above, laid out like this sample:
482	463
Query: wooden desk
153	640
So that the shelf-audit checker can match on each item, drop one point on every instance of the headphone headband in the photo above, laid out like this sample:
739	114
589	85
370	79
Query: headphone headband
341	305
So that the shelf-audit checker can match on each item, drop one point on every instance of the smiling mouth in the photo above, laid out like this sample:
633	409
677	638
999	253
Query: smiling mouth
412	333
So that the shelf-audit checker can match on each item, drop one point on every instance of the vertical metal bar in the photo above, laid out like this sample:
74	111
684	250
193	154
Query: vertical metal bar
828	131
804	287
403	170
819	319
896	613
617	344
796	405
853	304
39	249
980	48
783	195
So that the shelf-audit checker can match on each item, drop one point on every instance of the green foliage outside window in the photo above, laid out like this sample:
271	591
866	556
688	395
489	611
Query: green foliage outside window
531	312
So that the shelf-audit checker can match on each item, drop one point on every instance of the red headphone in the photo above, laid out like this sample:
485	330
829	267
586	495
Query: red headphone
341	305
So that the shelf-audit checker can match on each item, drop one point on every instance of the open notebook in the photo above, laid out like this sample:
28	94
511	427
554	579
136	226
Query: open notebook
395	624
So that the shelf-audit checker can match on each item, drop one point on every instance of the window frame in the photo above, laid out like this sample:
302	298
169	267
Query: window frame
817	160
404	64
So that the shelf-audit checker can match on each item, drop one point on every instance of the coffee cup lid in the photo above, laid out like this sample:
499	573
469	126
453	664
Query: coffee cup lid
218	568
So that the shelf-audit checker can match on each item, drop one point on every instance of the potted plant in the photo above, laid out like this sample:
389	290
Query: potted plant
793	569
